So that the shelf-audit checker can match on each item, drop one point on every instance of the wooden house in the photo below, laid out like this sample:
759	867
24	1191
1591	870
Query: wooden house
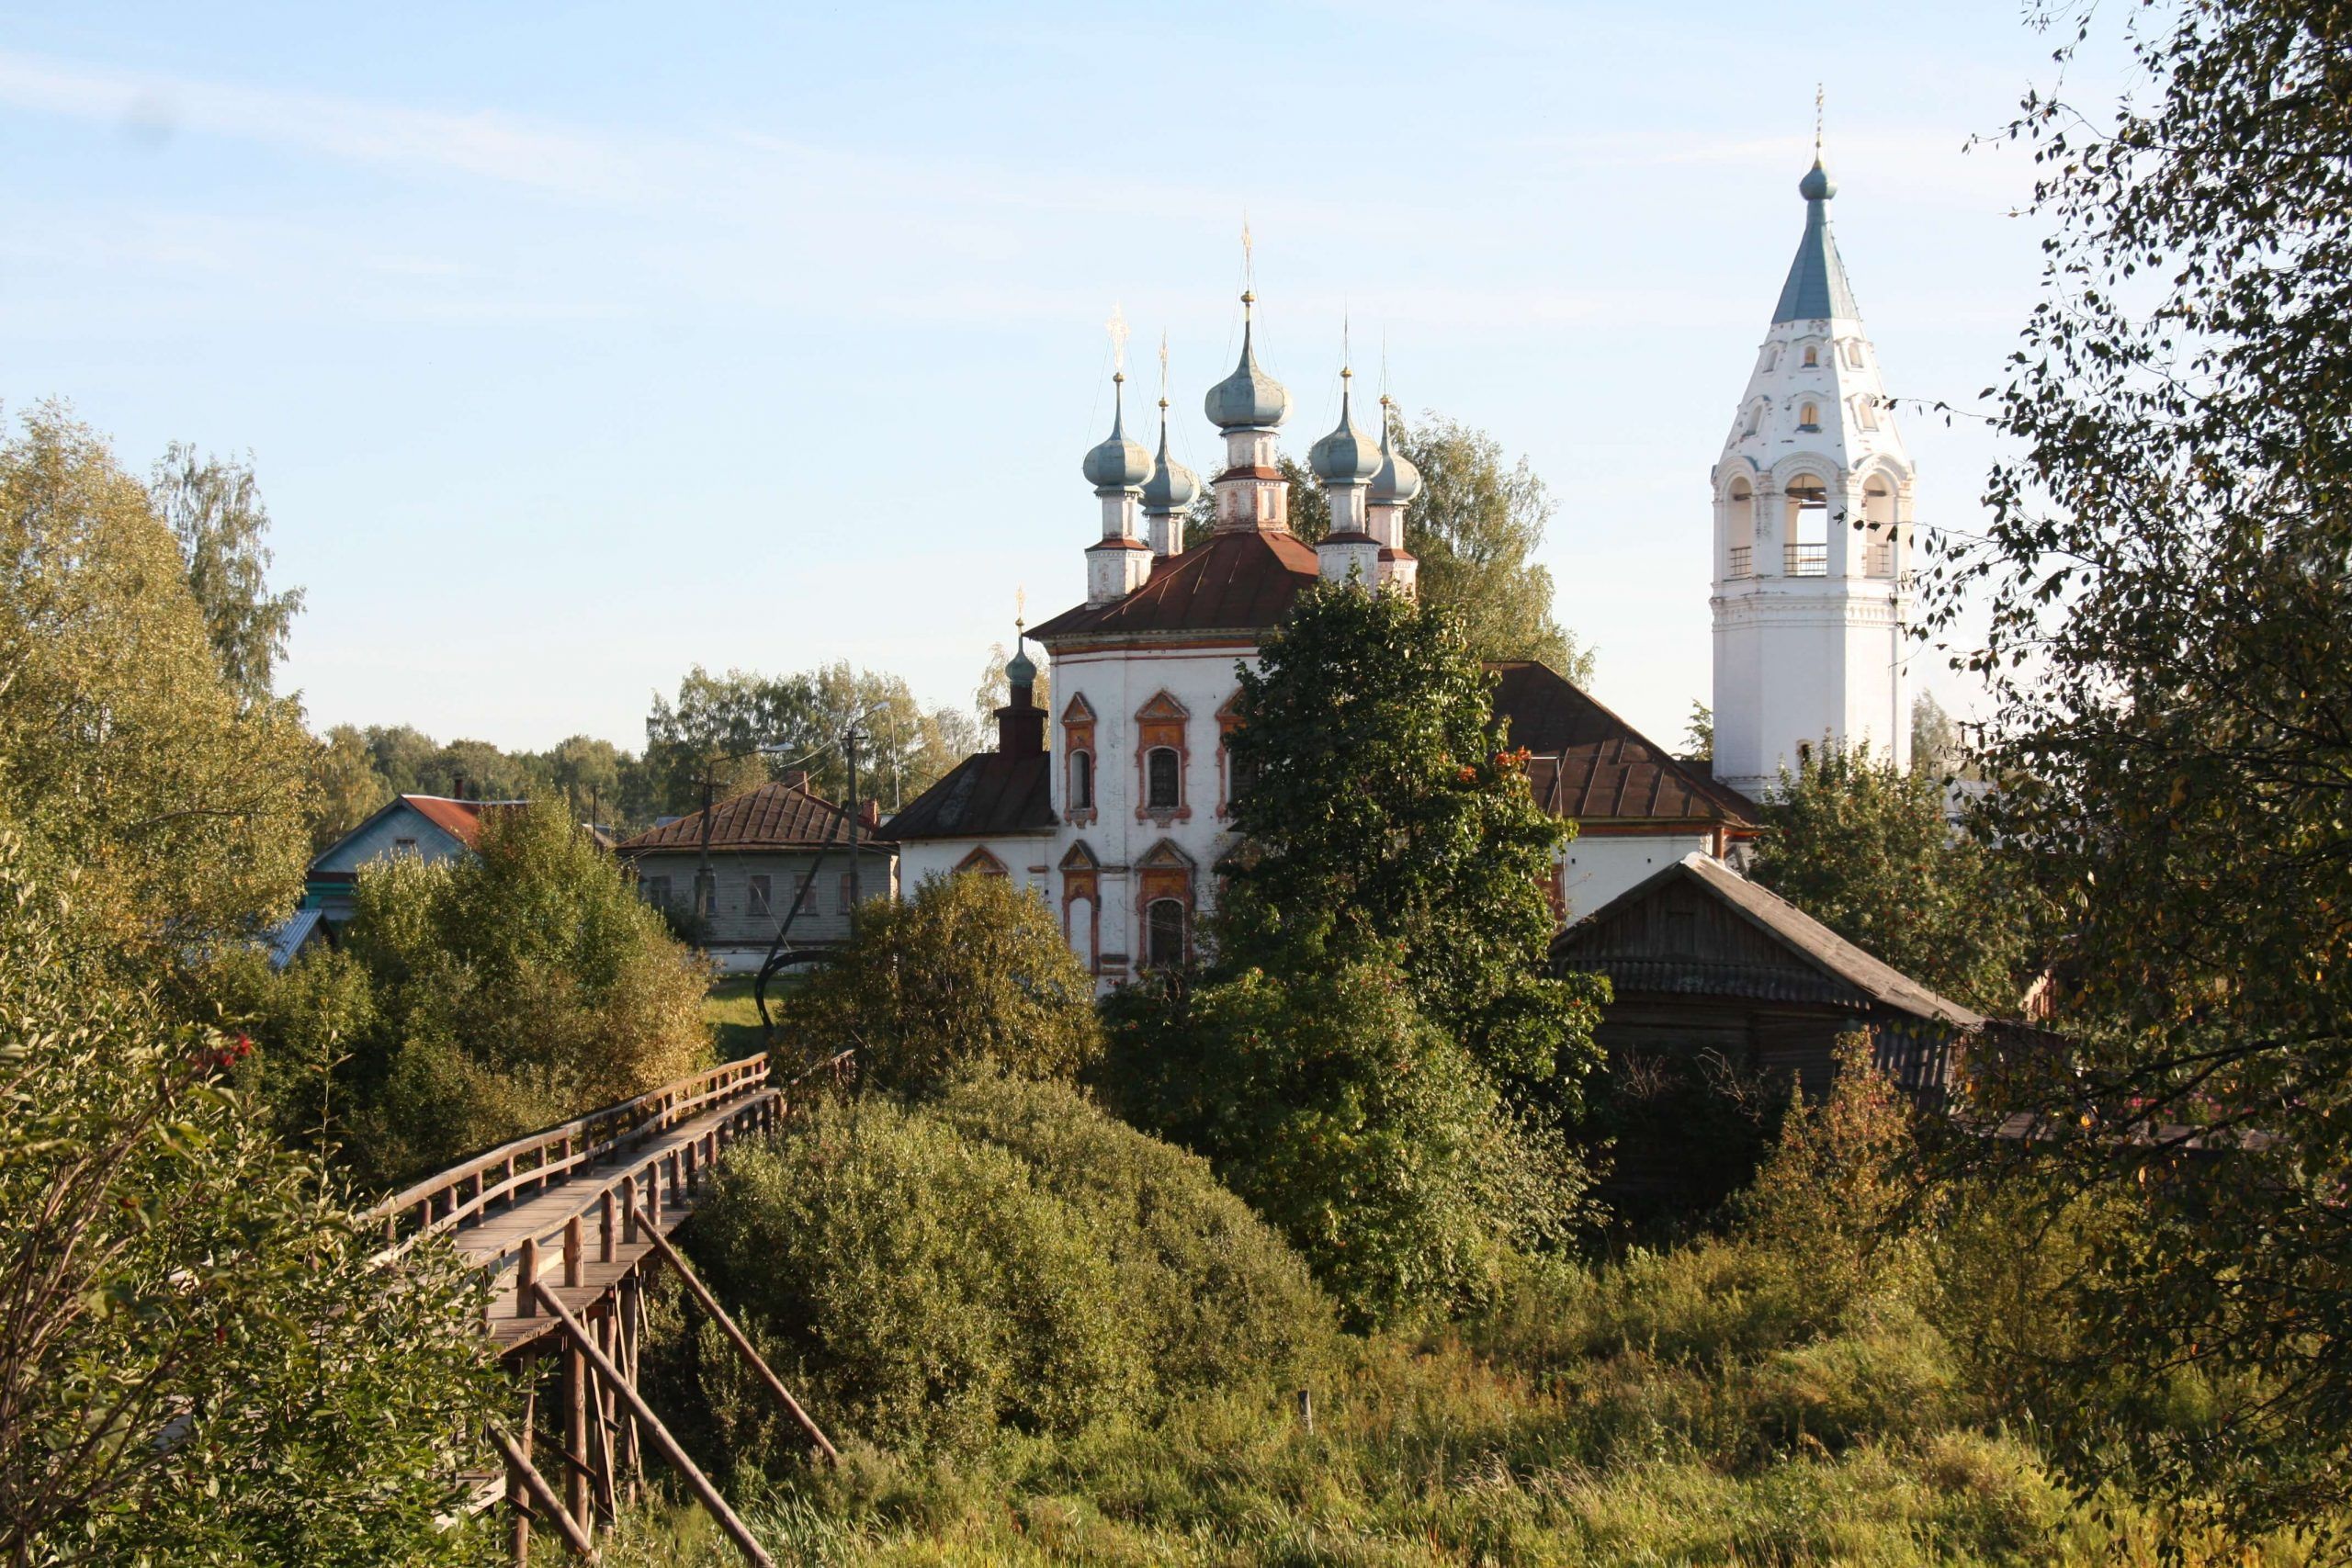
1726	994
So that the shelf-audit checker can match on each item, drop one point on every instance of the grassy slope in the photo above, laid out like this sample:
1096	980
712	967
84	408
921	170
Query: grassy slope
1651	1414
734	1018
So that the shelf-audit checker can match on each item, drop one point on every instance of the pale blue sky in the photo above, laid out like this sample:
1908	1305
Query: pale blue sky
579	343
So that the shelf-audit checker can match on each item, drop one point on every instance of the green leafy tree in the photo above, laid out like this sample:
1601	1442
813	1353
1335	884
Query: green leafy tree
1699	737
213	508
346	788
969	970
1866	848
494	994
123	746
1381	819
743	729
2166	581
1475	530
1388	1154
200	1362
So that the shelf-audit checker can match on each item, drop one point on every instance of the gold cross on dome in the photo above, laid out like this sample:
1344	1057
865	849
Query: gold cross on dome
1117	327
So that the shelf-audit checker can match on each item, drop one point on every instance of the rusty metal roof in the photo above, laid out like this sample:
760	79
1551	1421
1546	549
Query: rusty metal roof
1824	966
461	819
773	816
1240	580
1592	766
987	793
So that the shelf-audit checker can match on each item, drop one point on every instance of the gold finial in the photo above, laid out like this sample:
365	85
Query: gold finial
1163	368
1816	122
1249	260
1117	327
1020	612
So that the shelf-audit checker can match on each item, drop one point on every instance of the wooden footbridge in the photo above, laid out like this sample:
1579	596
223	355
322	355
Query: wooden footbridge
567	1226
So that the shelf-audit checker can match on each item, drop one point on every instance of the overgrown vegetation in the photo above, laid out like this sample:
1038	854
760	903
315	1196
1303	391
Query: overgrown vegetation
1793	1391
1004	1257
471	1001
969	969
1377	1058
1869	850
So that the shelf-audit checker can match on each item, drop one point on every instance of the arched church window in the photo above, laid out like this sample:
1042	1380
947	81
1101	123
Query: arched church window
1854	353
1772	357
1809	417
1812	356
1081	780
1164	934
1866	412
1755	420
1162	780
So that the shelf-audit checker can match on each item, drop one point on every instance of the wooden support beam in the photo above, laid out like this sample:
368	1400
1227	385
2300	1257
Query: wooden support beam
743	1344
517	1497
527	1475
697	1481
575	1431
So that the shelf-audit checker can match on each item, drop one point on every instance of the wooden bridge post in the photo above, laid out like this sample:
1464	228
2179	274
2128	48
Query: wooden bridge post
605	1235
518	1493
572	1250
575	1431
526	1275
628	1459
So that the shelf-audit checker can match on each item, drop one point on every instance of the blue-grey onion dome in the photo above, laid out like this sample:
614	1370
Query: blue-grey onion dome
1020	670
1398	481
1249	397
1816	186
1347	453
1172	486
1117	463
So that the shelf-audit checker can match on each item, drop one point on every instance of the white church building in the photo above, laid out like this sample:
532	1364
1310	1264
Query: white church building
1115	805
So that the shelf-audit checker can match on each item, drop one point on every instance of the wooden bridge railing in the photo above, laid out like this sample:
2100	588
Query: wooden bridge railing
463	1193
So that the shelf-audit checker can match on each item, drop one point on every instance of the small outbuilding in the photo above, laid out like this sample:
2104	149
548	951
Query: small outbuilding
1724	994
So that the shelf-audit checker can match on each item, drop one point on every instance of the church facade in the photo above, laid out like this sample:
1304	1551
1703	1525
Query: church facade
1115	806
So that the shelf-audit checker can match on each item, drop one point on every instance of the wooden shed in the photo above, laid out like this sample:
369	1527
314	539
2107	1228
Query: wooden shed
1724	994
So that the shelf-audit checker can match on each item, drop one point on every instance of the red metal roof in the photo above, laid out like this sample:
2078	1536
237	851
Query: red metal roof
773	816
461	819
1591	765
1241	580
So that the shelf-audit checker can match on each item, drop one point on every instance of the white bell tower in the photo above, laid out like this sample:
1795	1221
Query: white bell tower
1813	535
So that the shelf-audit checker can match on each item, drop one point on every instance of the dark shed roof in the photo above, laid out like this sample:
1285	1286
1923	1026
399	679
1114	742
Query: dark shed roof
1812	963
987	793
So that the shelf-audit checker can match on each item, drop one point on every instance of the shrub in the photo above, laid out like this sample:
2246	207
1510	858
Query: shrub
1005	1255
1827	1201
1361	1130
971	969
1218	1294
923	1285
198	1361
477	1000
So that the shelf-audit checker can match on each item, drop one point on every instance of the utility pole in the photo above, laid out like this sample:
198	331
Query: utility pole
850	740
706	884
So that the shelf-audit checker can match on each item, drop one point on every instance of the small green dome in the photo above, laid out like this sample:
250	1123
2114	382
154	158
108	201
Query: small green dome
1172	486
1117	463
1347	453
1816	186
1020	670
1397	482
1249	398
